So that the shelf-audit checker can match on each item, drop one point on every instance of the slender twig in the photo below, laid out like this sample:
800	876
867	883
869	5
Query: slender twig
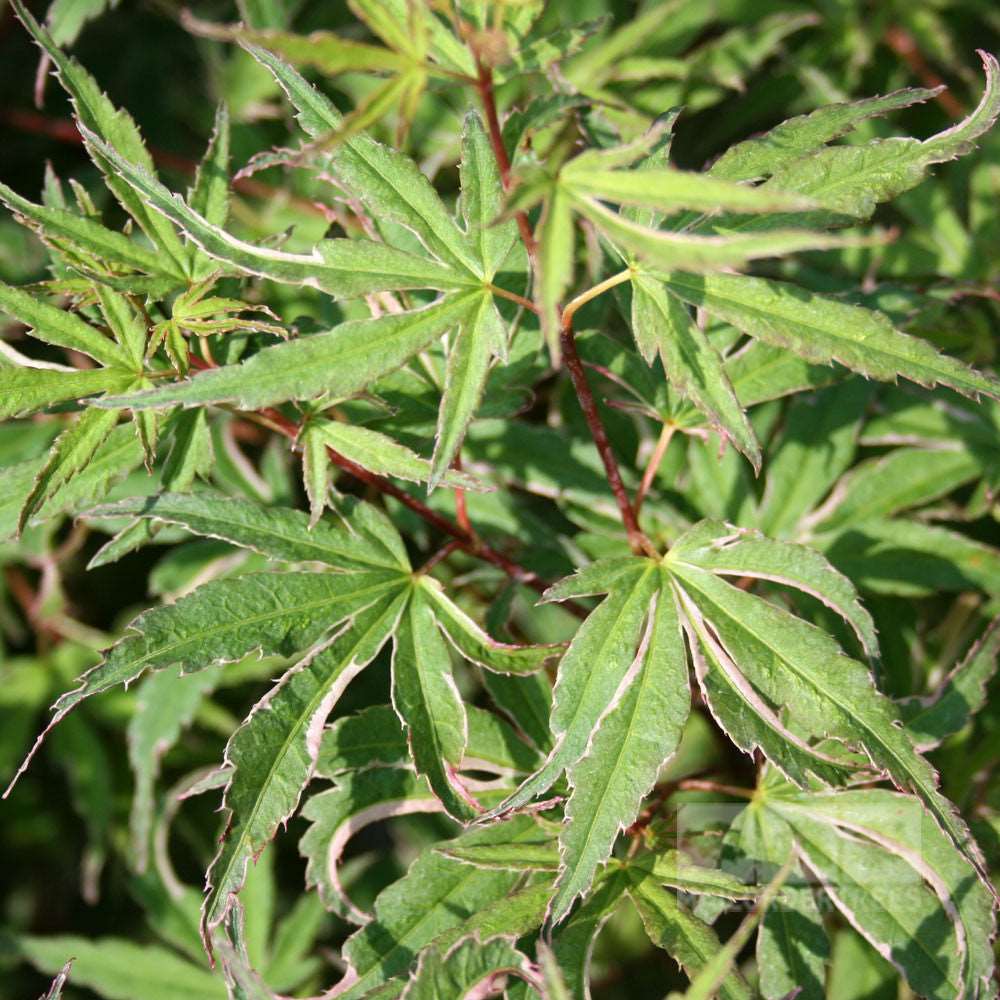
637	540
439	556
905	46
484	84
663	442
694	785
571	307
461	508
514	297
28	601
466	540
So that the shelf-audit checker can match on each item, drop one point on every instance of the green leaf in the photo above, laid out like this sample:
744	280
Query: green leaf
638	732
335	815
388	182
735	552
744	715
479	339
519	856
97	114
852	180
527	700
932	719
392	187
906	477
72	452
792	946
125	324
339	362
364	539
316	464
826	693
293	960
341	267
857	970
326	51
375	737
495	746
759	372
190	454
663	249
380	454
482	199
429	705
60	328
888	867
573	940
466	969
122	970
273	754
820	329
672	869
556	238
476	645
440	899
314	112
85	233
661	324
722	964
764	154
902	556
590	673
554	985
225	620
233	945
209	195
816	447
67	18
691	943
667	189
114	458
26	390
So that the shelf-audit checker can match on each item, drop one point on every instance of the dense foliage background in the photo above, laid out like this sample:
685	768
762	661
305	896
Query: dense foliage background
917	533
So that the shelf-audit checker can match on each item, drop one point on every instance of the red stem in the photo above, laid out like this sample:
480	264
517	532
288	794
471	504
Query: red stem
637	540
439	556
466	542
588	404
484	84
905	46
461	507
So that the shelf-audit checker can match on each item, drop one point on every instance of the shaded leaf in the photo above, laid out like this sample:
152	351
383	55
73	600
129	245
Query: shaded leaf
273	754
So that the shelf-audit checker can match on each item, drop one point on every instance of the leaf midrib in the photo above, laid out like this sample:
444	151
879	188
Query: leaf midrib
266	532
285	610
858	717
639	684
291	736
910	937
771	318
